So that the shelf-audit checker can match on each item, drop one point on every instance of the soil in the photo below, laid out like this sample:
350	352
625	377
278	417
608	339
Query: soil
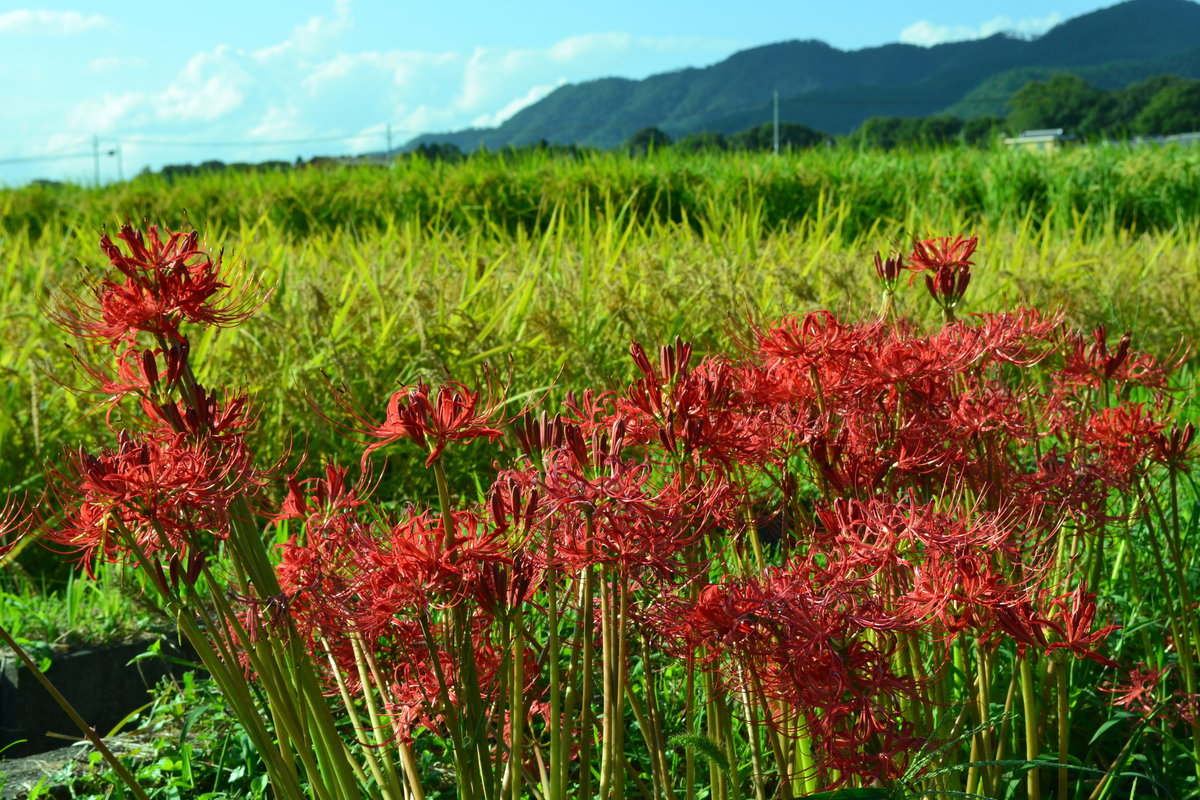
57	769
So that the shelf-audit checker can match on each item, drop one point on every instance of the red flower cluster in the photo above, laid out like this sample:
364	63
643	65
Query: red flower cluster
162	285
920	487
163	494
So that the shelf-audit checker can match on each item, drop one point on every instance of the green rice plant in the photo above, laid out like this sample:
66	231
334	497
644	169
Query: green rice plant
373	307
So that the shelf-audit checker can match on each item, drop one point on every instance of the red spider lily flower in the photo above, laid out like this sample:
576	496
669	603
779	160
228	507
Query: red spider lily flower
138	374
889	269
942	253
816	338
413	566
536	435
1138	695
170	493
453	413
1123	435
321	497
1175	450
948	264
11	527
164	284
1091	363
1077	613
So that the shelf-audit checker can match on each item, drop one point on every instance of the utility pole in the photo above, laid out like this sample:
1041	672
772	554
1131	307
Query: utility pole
389	140
776	122
96	158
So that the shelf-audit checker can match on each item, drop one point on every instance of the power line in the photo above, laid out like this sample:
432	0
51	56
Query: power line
28	159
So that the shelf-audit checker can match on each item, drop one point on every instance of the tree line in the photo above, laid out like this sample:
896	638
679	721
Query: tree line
1158	106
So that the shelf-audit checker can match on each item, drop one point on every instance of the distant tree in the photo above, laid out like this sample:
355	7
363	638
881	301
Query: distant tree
940	130
981	130
647	140
439	151
1127	103
701	141
888	132
1173	109
1065	101
792	136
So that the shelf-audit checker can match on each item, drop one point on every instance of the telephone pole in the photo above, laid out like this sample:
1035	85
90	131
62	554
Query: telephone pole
96	158
389	140
776	149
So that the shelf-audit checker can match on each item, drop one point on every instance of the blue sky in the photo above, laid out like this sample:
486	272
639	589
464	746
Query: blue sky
261	79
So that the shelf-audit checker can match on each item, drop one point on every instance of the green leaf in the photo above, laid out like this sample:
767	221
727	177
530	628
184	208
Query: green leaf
1120	717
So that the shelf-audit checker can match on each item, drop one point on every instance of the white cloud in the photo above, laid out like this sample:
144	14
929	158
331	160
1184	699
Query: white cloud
927	34
311	93
527	99
312	35
209	87
109	112
103	64
51	23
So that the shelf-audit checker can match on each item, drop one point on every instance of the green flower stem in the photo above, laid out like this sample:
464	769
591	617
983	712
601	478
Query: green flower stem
1032	749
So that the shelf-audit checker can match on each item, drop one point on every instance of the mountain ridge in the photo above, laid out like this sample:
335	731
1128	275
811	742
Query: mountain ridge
835	90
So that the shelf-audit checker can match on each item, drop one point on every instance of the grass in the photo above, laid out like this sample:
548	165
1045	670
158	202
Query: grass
80	611
554	266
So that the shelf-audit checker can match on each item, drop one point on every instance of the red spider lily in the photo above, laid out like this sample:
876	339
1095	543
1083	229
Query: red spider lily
702	413
166	491
432	419
315	499
411	565
818	338
624	516
1123	435
11	526
536	435
137	374
1094	363
1175	450
1138	695
948	262
1078	612
164	284
889	269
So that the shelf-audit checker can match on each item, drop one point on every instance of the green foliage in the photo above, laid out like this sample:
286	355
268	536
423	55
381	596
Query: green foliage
708	751
43	616
1172	109
1065	101
1157	106
647	140
792	136
186	747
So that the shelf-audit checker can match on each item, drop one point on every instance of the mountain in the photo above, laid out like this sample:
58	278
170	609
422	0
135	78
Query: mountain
836	90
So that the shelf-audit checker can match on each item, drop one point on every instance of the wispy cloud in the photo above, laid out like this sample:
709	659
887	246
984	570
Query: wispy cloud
29	22
103	64
927	34
312	91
